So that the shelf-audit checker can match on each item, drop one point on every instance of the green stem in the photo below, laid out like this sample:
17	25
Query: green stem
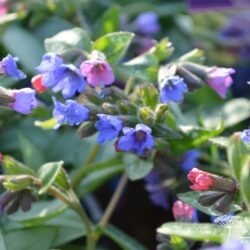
129	85
114	200
81	172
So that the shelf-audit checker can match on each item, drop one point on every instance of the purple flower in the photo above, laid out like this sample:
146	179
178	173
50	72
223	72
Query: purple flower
69	80
231	245
97	72
172	89
72	112
24	100
109	127
220	80
245	135
48	68
190	159
136	140
158	194
8	67
147	23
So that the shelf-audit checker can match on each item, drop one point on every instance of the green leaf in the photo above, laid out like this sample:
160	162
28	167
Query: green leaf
135	167
191	198
236	153
97	178
121	239
162	50
25	49
47	124
30	239
163	131
245	180
109	21
40	212
48	174
113	45
32	156
67	39
144	67
14	167
195	231
220	141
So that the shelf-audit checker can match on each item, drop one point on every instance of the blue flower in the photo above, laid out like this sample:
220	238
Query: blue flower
136	140
72	112
231	245
24	100
69	80
48	68
147	23
109	127
158	194
8	67
190	159
172	89
245	135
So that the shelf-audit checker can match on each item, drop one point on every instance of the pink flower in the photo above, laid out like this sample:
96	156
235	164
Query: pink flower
4	7
97	72
201	180
220	80
37	84
182	211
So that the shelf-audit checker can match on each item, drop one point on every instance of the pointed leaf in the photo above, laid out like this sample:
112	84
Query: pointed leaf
48	174
67	39
113	45
135	167
194	231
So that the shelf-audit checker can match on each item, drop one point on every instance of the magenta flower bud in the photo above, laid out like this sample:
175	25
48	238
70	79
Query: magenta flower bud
201	180
220	80
24	100
182	211
97	72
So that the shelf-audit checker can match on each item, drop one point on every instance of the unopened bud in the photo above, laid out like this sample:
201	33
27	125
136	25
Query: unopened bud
195	55
192	81
17	183
160	113
86	129
126	107
146	115
89	95
197	69
183	212
110	109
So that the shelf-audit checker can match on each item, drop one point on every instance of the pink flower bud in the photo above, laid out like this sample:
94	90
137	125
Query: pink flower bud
182	211
37	84
201	180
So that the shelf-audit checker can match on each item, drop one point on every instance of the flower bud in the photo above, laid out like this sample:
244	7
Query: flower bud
17	183
86	129
182	211
109	108
160	113
89	95
126	107
192	81
195	55
146	115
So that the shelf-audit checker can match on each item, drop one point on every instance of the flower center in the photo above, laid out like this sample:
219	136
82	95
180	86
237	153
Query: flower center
140	135
99	66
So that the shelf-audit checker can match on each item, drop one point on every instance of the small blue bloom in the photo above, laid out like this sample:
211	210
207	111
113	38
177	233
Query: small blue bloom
136	140
190	159
234	244
245	135
158	194
48	68
223	220
8	67
24	100
72	112
109	127
172	89
69	80
147	23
